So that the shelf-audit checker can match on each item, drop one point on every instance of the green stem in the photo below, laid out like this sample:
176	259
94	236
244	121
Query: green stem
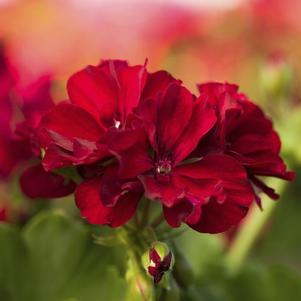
138	281
145	213
251	228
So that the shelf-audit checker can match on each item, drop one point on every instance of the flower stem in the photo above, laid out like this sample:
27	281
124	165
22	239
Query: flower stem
251	228
140	286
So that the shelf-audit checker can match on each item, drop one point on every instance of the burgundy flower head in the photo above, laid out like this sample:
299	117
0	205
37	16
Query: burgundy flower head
11	152
101	99
132	133
21	145
245	133
159	152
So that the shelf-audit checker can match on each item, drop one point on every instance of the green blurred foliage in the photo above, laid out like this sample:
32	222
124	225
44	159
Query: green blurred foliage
54	259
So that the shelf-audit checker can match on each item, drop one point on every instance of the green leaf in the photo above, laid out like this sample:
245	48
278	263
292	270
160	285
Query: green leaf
54	259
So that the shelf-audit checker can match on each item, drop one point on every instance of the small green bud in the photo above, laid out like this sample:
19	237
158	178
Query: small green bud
157	261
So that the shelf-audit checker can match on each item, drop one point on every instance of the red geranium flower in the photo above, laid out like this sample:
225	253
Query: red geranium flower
11	152
211	193
132	133
118	88
102	97
35	181
245	133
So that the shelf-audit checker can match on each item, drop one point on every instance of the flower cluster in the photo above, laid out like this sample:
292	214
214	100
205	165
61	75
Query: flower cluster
131	133
20	145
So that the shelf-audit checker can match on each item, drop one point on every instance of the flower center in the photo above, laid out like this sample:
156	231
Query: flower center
163	167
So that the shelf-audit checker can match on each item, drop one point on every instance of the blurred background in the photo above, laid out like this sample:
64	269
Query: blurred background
253	43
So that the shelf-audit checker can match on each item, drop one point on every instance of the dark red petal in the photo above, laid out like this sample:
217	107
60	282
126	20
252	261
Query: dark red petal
131	149
218	217
153	271
12	153
113	187
157	83
37	98
216	179
217	88
88	200
37	183
173	115
69	135
95	91
131	82
108	91
70	121
230	176
147	111
154	256
165	191
202	120
177	214
166	262
264	188
187	210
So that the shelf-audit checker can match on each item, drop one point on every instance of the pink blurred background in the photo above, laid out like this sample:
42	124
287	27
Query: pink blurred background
196	40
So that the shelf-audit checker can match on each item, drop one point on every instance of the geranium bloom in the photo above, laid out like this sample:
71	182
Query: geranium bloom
198	191
11	152
101	98
35	181
16	148
131	133
245	133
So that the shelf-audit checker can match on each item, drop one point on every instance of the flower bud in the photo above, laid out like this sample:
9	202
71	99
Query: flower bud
157	261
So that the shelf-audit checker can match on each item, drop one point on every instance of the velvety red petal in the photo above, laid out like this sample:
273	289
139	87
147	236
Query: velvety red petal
12	153
147	111
164	190
217	218
264	188
131	149
228	173
202	120
113	187
177	214
68	134
217	88
131	82
173	115
71	121
37	183
108	91
157	83
37	98
94	90
88	200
